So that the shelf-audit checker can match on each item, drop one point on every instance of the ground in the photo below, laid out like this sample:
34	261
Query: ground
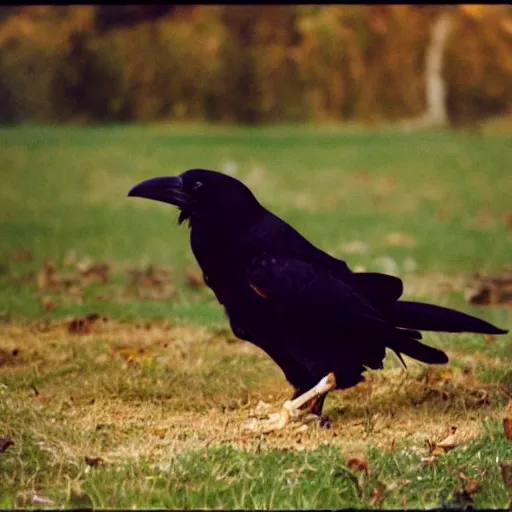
120	383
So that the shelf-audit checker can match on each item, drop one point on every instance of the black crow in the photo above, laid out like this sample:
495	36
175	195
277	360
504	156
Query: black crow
320	322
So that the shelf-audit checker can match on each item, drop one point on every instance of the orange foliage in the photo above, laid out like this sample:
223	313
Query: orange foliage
249	63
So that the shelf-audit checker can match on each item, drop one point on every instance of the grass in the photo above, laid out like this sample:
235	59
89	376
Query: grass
157	388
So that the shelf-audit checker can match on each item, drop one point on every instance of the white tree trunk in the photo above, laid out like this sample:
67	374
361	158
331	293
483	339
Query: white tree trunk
435	114
435	85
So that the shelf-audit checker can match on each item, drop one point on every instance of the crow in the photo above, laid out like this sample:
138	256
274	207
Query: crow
320	322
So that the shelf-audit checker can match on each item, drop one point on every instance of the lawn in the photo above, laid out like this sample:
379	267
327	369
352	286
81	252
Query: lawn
120	383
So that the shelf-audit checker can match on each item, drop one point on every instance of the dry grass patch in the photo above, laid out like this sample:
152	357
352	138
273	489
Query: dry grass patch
125	391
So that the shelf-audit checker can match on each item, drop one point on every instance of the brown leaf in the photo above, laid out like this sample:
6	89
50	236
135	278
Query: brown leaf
83	325
132	354
47	303
471	486
507	421
194	277
506	473
22	255
93	461
507	217
94	273
152	283
491	290
447	442
47	278
508	411
159	432
357	465
363	176
377	495
490	339
43	397
5	442
7	357
507	425
150	276
437	375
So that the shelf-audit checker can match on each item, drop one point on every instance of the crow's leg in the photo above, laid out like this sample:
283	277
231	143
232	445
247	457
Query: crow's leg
311	401
300	406
315	406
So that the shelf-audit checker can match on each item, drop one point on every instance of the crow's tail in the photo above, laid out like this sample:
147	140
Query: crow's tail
427	317
417	350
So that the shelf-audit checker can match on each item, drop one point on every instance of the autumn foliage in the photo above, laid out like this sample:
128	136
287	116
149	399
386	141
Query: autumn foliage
246	63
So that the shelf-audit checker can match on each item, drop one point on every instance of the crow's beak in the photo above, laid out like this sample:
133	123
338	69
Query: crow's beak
166	189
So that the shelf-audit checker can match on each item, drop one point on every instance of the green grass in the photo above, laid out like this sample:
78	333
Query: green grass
159	392
301	480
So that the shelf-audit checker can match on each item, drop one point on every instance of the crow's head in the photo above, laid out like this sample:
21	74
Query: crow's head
200	195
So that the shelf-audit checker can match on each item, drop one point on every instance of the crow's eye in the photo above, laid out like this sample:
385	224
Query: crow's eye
197	185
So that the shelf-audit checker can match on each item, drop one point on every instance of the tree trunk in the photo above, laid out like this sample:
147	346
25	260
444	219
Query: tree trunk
435	87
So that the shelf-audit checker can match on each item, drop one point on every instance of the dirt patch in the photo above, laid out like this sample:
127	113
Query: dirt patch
434	284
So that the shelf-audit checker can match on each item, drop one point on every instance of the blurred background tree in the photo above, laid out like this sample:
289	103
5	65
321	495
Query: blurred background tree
254	64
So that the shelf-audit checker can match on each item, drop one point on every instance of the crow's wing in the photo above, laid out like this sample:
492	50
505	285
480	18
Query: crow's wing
307	291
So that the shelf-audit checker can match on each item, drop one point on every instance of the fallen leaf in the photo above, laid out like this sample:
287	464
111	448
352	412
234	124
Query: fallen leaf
131	354
83	325
159	432
152	283
43	397
47	303
490	339
506	473
357	465
5	442
507	425
377	495
400	239
93	461
7	357
46	277
437	375
94	273
194	277
491	290
507	216
507	421
471	486
22	255
447	442
363	176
